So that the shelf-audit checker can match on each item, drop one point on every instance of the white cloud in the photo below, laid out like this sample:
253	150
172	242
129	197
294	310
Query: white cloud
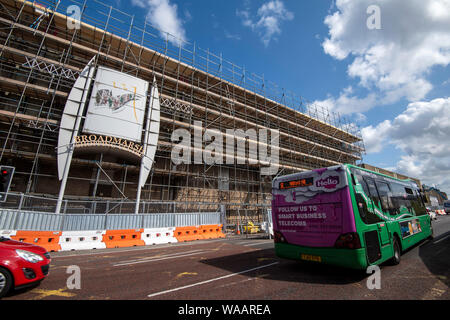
268	21
164	16
374	137
397	60
231	36
422	132
348	103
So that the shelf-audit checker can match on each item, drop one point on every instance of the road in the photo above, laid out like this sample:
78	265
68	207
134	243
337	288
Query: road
238	268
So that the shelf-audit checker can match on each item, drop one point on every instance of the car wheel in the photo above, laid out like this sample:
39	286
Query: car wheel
6	281
397	252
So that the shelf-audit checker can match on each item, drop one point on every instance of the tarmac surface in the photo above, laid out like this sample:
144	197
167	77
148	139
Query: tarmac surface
238	268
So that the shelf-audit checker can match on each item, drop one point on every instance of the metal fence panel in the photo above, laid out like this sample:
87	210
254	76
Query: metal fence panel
81	222
43	221
123	221
38	221
210	218
188	219
159	220
7	219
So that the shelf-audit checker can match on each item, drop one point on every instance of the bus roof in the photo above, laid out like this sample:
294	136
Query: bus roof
352	166
380	174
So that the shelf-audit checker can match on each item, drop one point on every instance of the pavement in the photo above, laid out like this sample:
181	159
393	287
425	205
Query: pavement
238	268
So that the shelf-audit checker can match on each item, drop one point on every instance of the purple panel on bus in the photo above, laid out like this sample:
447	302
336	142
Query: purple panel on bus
313	208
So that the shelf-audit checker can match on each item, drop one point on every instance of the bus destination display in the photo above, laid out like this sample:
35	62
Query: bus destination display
296	183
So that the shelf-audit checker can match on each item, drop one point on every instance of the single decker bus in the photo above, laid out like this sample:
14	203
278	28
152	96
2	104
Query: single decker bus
347	216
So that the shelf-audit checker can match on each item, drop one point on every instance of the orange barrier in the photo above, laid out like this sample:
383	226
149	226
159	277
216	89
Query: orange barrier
208	232
219	231
46	239
52	240
123	238
184	234
212	231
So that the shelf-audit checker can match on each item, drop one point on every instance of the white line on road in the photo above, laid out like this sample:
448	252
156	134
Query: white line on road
159	259
243	243
257	244
211	280
160	256
83	253
112	250
443	238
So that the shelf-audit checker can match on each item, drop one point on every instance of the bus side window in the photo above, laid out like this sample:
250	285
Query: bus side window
385	196
410	198
399	198
366	216
372	191
353	179
417	204
364	185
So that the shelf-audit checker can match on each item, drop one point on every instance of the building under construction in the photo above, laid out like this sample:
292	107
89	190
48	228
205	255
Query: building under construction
43	51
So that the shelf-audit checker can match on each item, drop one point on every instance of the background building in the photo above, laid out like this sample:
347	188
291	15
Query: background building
42	53
434	196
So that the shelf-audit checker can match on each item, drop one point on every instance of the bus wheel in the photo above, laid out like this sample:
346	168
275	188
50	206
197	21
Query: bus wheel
397	252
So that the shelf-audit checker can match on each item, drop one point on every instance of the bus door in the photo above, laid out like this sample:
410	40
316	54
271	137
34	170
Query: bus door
376	235
384	233
386	205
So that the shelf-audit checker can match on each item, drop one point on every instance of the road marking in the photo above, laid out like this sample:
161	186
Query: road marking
236	282
186	274
211	280
46	293
443	238
257	244
251	243
159	256
148	247
158	259
436	291
265	259
109	252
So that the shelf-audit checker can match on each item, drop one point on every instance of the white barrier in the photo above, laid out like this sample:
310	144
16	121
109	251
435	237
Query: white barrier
82	240
440	212
158	236
267	228
8	233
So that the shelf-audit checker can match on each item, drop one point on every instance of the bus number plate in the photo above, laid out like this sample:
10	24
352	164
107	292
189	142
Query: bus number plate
308	257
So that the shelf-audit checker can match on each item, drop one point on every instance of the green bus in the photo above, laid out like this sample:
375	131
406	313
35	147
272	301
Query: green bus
347	216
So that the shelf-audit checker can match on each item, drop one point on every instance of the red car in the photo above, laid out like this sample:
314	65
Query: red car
21	264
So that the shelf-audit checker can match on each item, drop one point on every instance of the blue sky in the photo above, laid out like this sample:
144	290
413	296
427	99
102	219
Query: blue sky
386	68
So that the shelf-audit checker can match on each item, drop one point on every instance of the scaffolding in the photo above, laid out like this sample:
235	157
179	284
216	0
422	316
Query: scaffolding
41	56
